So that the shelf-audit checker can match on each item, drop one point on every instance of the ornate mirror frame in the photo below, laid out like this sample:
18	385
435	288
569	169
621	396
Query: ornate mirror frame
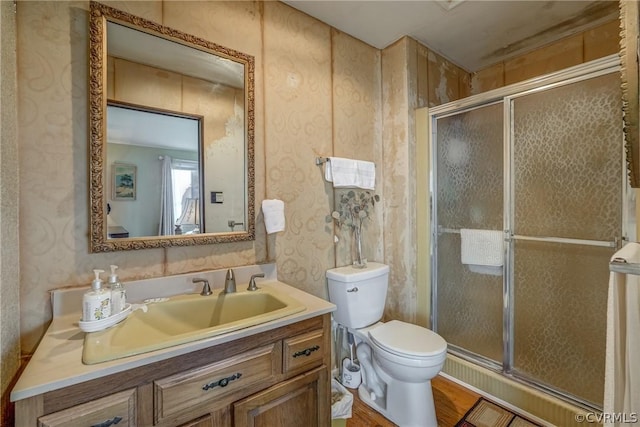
629	75
99	15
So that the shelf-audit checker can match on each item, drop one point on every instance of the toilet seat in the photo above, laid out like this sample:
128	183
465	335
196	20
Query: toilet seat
408	340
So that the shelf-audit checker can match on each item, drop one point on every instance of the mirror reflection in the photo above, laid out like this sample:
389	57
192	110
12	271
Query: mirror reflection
162	198
172	145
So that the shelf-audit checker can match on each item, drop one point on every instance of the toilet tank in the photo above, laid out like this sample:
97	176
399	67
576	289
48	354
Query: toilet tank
358	293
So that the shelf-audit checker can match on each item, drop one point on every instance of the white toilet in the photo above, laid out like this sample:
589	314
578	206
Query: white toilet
398	359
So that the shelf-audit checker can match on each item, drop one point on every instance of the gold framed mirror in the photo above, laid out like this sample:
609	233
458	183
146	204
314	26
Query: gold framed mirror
171	148
630	94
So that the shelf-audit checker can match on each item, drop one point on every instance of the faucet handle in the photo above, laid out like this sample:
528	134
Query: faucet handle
252	282
206	289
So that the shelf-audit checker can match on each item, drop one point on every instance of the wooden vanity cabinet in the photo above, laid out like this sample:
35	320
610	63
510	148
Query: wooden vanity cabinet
279	377
293	403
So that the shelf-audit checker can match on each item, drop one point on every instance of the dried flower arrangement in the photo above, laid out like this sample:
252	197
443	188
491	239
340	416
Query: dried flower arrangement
354	208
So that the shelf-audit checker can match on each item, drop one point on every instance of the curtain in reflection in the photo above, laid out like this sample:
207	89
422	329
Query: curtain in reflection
167	219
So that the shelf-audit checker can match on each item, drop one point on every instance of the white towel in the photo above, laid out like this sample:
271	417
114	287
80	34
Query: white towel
349	173
622	372
482	247
486	269
273	211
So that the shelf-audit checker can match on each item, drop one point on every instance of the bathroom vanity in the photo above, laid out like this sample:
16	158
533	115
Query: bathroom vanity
274	373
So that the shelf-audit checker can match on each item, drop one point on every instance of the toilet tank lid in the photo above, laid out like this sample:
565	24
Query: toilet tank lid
351	274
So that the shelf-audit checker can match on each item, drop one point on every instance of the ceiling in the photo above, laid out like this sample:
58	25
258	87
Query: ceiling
131	126
145	48
473	34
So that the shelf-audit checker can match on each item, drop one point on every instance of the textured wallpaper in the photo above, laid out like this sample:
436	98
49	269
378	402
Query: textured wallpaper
298	127
9	246
357	123
318	93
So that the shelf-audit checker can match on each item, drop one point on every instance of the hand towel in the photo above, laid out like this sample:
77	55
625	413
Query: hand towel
482	247
622	372
273	211
349	173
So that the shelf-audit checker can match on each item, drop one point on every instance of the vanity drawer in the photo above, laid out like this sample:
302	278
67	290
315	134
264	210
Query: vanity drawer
119	408
181	392
306	350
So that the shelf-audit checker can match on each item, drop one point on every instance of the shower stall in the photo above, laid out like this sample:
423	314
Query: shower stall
543	162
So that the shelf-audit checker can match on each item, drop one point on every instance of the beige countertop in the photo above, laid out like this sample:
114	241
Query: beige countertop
57	362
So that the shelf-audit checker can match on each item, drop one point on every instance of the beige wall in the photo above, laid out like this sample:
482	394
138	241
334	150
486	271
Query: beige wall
574	50
52	126
9	248
413	76
318	93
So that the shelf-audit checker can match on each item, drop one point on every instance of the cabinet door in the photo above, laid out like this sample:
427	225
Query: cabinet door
115	410
301	401
219	418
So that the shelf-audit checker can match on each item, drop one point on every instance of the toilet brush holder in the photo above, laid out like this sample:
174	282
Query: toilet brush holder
351	374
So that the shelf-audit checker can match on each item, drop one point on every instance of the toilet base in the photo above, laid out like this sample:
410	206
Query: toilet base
407	405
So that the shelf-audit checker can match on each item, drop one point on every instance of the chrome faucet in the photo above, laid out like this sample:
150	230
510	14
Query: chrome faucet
230	282
252	282
206	289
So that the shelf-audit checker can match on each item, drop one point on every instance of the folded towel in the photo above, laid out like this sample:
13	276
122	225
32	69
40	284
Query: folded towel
273	211
486	269
349	173
482	247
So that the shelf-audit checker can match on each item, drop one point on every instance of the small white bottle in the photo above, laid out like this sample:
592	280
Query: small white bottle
118	296
96	303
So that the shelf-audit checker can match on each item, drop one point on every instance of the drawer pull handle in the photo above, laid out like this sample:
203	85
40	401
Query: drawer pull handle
222	382
306	351
107	423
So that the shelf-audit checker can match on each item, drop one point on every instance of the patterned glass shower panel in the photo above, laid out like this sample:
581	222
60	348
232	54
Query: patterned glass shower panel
470	175
568	161
469	195
567	182
469	304
560	300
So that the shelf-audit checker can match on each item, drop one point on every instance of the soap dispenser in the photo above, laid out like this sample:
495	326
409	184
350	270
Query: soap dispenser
118	297
96	303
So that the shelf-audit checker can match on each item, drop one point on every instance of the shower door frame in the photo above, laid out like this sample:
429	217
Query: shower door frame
507	95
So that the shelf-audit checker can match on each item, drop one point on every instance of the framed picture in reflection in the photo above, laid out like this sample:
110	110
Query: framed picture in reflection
124	181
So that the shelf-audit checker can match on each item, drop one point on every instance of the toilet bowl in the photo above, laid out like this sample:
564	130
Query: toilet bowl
398	359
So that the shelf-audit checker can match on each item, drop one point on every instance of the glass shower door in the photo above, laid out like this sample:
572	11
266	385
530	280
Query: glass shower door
567	193
469	147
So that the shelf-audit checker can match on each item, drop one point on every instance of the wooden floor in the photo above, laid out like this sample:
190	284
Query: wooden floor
452	401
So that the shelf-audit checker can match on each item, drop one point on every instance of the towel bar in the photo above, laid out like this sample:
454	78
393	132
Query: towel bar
322	160
600	243
619	265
